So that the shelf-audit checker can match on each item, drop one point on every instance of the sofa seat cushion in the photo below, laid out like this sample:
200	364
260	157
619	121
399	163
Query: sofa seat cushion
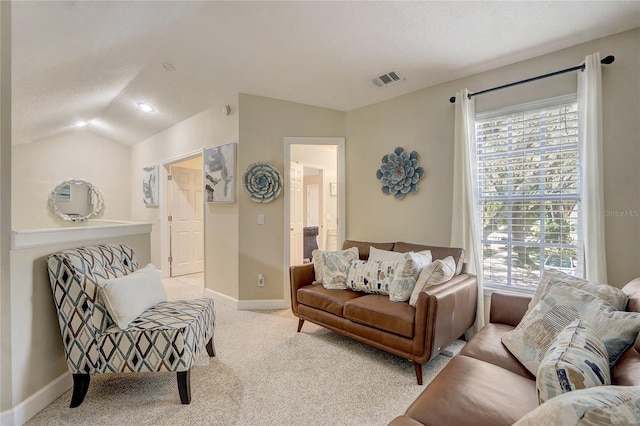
329	300
376	310
486	345
470	391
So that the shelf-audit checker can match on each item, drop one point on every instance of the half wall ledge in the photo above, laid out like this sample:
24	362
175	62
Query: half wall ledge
91	230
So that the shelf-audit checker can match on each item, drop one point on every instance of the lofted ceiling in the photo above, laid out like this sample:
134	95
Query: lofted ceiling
94	61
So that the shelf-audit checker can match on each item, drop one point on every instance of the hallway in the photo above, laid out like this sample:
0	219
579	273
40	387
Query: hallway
185	286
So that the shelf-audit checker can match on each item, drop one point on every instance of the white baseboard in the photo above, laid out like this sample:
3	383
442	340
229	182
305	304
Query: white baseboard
31	406
245	305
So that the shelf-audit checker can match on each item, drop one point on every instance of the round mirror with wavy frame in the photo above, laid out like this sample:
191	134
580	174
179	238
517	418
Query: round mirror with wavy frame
75	200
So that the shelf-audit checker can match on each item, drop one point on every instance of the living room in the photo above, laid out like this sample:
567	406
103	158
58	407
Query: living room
238	249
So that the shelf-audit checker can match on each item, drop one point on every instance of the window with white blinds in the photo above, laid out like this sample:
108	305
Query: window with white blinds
529	192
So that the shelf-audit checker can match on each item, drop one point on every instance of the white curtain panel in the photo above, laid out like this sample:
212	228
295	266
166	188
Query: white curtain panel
465	226
590	131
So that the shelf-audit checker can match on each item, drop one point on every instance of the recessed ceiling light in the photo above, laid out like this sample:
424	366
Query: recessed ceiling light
146	107
80	124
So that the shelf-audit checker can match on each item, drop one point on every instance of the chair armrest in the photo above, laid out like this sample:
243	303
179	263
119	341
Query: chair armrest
508	308
443	313
299	276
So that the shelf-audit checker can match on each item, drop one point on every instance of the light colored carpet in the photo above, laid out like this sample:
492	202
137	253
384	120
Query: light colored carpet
264	373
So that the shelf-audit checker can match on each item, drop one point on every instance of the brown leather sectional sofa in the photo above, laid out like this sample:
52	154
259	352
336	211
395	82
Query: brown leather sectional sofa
442	314
485	385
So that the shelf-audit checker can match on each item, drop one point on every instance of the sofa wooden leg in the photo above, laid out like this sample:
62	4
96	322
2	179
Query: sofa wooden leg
300	322
210	349
80	388
184	386
418	367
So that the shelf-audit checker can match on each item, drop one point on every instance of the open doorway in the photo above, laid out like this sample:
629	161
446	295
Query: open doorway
185	220
314	199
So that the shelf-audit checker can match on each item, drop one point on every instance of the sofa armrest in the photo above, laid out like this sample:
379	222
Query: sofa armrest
443	313
299	276
508	308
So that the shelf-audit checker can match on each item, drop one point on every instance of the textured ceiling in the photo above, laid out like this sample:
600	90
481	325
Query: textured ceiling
95	61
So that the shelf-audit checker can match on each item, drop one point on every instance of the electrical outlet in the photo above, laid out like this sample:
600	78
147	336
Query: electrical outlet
260	280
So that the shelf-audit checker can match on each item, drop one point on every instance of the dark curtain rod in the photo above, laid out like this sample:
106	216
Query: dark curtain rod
608	60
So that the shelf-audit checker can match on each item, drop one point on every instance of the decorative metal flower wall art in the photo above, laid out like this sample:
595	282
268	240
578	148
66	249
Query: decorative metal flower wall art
263	182
399	173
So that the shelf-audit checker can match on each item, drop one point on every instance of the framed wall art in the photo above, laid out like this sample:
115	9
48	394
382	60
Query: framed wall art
219	173
150	185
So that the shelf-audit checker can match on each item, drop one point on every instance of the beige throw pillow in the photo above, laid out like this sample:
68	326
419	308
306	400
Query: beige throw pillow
612	295
577	359
388	255
559	305
437	272
405	280
335	267
602	405
318	263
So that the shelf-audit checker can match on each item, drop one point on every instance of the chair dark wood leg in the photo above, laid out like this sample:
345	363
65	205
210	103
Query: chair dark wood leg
418	367
80	388
300	322
184	386
210	349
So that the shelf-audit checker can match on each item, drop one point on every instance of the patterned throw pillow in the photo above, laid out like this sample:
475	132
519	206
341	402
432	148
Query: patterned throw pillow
577	359
335	266
602	405
612	295
559	305
438	272
372	276
405	280
318	264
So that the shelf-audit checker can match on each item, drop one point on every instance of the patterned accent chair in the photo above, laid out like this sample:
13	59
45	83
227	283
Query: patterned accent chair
166	337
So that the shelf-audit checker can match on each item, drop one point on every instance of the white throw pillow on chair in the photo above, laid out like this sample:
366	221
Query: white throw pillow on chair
128	296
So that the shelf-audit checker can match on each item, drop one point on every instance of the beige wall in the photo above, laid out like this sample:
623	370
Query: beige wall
79	154
264	123
37	351
204	130
5	207
424	121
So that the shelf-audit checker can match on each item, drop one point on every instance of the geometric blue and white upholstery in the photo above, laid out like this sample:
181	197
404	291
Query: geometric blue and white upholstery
166	337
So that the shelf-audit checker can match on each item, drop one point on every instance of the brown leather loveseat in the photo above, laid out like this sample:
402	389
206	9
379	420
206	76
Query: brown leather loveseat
442	314
485	385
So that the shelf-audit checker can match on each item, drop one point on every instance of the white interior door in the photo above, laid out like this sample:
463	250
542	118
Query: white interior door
313	205
296	218
187	236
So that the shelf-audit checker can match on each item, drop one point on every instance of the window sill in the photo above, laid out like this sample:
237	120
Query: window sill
489	290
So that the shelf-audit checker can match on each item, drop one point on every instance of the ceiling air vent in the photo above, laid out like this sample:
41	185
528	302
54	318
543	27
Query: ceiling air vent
387	79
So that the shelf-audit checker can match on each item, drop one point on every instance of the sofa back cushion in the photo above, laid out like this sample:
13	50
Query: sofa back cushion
436	252
363	247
